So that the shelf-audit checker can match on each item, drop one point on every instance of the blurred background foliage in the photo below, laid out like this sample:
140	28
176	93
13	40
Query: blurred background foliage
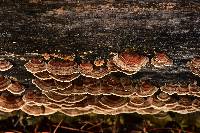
170	122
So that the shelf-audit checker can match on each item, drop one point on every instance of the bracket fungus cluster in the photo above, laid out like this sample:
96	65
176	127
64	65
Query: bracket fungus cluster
10	94
174	88
81	87
108	95
66	70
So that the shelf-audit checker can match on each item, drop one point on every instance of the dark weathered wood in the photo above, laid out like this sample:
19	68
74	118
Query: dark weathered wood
49	26
101	27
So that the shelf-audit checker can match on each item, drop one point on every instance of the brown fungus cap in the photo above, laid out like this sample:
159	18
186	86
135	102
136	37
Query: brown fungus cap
97	106
78	87
35	66
137	100
121	91
16	88
196	103
10	101
105	89
75	98
88	81
4	83
44	75
5	65
54	106
65	78
113	101
138	103
55	96
145	89
170	88
158	104
115	86
62	85
81	104
172	102
163	96
62	67
161	60
111	66
127	84
91	86
66	91
109	83
196	62
130	62
185	101
183	90
94	89
37	110
181	109
33	96
194	66
193	88
85	68
44	85
99	72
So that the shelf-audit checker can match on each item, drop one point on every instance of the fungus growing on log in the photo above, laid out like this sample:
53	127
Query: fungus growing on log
35	65
182	90
138	103
169	88
44	75
145	89
113	101
185	101
129	63
163	96
65	78
4	83
10	101
36	110
161	60
193	88
89	70
62	85
5	65
16	87
75	98
33	96
194	66
44	85
62	67
55	96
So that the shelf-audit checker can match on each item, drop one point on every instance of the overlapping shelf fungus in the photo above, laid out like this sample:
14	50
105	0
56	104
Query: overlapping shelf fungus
102	86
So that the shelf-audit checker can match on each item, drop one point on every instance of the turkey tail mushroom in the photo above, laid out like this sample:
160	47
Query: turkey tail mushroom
5	65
